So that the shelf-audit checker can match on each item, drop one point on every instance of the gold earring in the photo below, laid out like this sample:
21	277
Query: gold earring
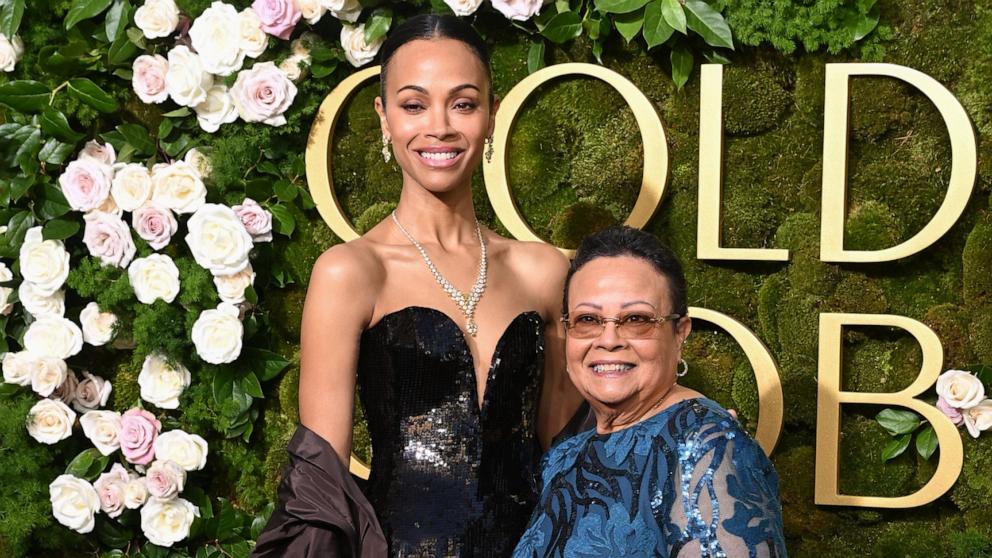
489	150
386	154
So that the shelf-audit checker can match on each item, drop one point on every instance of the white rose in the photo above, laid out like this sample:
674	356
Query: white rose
187	81
217	334
50	421
165	522
103	154
217	109
189	451
254	40
960	389
216	37
295	66
161	384
178	186
92	392
74	503
157	18
978	418
200	162
44	263
263	94
103	428
148	74
345	10
312	10
155	224
53	336
18	368
135	493
231	288
97	326
85	183
5	275
165	479
110	487
154	277
218	239
463	7
355	49
39	304
132	186
108	237
11	51
518	10
47	374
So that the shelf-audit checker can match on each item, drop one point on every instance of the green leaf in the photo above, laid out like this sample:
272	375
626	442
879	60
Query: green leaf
896	447
59	229
285	223
138	137
19	185
708	23
597	27
11	16
88	464
27	153
563	27
674	15
25	95
90	93
136	36
656	29
54	123
265	364
323	54
223	384
535	56
51	203
228	522
112	533
629	24
117	19
323	70
250	385
259	521
981	371
182	112
121	51
165	128
378	24
926	442
898	422
54	152
682	62
6	390
285	190
619	6
84	9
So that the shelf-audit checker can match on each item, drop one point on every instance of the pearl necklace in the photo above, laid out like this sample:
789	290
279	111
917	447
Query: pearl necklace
466	302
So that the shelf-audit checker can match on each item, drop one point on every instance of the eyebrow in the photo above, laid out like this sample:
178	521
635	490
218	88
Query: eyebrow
452	91
624	305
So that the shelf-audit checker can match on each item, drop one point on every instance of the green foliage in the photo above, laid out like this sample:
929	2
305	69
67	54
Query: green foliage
108	285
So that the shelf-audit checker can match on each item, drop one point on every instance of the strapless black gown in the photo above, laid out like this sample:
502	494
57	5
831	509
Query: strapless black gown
449	478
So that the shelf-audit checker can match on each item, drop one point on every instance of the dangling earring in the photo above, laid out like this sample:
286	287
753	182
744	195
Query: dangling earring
386	154
489	149
683	368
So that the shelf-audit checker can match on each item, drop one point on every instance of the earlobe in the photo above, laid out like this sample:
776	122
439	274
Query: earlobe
380	109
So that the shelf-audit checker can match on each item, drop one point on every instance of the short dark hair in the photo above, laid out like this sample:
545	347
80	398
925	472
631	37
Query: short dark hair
433	26
621	240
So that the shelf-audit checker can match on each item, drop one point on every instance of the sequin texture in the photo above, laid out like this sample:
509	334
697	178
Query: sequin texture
449	478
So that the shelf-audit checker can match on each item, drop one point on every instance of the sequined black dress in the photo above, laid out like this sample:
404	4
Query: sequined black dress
449	479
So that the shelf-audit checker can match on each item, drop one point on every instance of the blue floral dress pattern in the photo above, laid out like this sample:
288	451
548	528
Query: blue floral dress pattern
685	482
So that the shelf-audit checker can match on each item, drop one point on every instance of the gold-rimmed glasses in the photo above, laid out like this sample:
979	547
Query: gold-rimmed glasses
636	325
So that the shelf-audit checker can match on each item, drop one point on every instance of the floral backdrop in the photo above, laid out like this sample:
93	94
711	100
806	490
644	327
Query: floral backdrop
156	235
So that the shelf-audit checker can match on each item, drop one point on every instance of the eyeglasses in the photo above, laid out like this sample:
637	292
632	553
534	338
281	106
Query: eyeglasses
629	326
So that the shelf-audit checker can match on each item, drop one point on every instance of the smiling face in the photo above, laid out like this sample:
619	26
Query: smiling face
436	112
614	374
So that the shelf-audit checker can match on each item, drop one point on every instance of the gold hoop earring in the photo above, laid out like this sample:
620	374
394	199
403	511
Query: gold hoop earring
386	153
489	149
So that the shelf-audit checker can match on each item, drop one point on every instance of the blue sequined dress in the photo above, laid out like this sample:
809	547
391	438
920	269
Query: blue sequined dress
450	478
685	482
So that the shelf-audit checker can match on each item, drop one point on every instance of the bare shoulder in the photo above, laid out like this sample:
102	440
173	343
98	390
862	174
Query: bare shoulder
543	262
352	267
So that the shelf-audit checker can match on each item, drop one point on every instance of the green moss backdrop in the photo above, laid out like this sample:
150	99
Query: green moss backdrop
575	164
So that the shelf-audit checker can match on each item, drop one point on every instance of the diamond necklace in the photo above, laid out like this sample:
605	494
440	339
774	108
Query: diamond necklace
466	302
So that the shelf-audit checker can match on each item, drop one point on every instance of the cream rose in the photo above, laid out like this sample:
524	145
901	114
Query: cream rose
518	10
231	288
148	78
187	81
263	94
199	161
165	479
50	421
11	51
178	186
18	368
135	493
218	239
109	206
295	67
103	154
74	503
154	277
132	186
312	10
44	263
217	334
103	428
157	18
463	7
165	522
345	10
978	418
154	223
108	237
92	392
53	336
960	389
189	451
85	183
216	37
110	488
254	39
47	374
97	326
39	304
356	50
161	384
217	109
5	275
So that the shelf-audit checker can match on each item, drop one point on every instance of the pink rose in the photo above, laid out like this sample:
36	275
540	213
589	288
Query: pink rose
66	392
85	183
91	393
952	413
155	224
518	10
110	487
139	428
103	154
148	78
165	480
263	93
108	237
278	17
256	219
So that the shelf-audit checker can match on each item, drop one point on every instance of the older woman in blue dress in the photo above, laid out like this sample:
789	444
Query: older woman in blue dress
665	472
